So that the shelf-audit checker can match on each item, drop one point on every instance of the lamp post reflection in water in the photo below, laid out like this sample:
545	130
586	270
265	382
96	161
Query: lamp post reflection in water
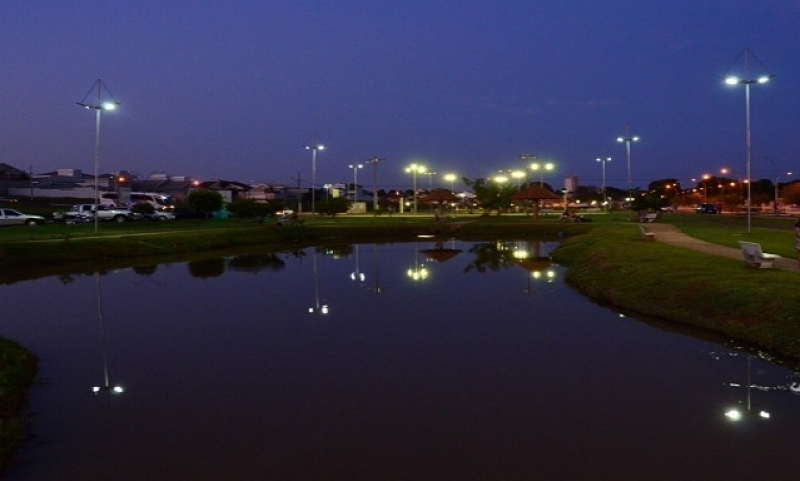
318	307
419	272
539	267
735	414
377	289
357	275
106	387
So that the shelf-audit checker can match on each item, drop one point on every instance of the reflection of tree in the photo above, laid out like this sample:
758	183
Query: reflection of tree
145	270
66	279
490	256
257	262
336	250
207	268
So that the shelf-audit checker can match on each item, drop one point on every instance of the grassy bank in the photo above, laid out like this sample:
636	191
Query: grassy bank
612	264
17	372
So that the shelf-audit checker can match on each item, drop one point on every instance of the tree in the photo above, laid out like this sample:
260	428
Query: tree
491	195
204	201
252	209
791	193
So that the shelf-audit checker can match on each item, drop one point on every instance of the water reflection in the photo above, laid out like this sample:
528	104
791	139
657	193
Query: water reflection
417	272
106	387
319	307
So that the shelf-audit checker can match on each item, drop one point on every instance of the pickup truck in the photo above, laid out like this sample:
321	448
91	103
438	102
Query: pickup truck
85	213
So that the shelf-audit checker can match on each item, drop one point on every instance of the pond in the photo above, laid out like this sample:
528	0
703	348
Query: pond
418	361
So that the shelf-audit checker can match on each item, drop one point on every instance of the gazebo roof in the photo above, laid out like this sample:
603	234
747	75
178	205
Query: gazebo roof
534	192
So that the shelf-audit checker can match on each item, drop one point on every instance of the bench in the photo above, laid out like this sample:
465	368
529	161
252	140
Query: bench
646	234
755	257
648	218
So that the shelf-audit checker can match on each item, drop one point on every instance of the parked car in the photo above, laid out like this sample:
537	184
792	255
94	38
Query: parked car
706	209
86	212
15	217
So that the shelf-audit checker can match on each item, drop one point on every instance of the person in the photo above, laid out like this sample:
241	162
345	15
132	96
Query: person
797	240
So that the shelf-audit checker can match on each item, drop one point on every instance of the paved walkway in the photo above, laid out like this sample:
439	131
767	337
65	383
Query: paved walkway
669	234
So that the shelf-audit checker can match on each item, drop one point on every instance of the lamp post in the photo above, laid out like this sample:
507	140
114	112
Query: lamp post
525	158
603	185
430	179
733	80
355	168
777	193
541	168
518	174
452	179
415	169
628	138
314	148
98	107
375	161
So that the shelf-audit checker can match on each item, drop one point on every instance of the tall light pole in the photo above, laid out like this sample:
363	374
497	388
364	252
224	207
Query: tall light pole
541	168
628	138
314	148
355	168
415	169
733	80
375	161
525	158
452	179
430	179
518	174
777	193
98	107
603	161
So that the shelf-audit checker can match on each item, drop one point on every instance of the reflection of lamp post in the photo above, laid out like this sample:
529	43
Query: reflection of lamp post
603	188
98	107
106	387
733	80
735	414
355	168
628	138
314	148
541	168
419	272
318	308
415	169
375	161
357	275
377	289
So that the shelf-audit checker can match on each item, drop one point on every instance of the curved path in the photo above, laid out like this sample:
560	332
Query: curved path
669	234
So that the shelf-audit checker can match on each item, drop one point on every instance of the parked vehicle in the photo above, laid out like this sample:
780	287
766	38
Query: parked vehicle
86	212
15	217
706	209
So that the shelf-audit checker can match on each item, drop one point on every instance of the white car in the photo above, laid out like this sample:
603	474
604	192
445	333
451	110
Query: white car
15	217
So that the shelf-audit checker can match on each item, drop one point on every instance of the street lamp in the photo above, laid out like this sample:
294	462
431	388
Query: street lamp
603	188
525	158
314	148
415	169
355	168
733	80
98	107
452	179
430	179
375	161
518	174
628	138
777	193
541	168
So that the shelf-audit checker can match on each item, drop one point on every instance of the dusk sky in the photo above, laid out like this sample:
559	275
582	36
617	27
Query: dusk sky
233	90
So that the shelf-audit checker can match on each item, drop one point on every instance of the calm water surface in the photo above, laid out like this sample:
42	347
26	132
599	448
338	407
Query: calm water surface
389	362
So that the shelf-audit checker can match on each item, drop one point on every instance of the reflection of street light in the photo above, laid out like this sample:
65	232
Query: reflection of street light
355	168
603	188
318	308
735	414
98	107
419	272
415	169
628	138
314	148
541	168
106	387
357	275
733	80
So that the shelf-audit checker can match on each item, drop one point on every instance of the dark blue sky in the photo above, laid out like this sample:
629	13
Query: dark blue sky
234	89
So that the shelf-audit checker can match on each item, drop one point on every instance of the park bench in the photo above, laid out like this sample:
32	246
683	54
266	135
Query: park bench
650	217
646	234
755	257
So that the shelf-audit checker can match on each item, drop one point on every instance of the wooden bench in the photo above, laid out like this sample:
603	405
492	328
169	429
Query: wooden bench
646	234
755	257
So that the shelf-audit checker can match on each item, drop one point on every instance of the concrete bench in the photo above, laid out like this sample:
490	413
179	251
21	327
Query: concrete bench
755	257
646	234
648	218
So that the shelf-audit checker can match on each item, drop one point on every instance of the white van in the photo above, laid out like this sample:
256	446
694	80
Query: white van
159	201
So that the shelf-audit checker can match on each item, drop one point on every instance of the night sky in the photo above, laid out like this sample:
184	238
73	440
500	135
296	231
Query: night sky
235	89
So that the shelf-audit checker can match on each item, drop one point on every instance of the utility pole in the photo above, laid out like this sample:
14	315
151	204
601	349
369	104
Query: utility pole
299	196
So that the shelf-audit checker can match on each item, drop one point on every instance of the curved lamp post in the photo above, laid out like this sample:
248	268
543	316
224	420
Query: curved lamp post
415	169
98	107
314	148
